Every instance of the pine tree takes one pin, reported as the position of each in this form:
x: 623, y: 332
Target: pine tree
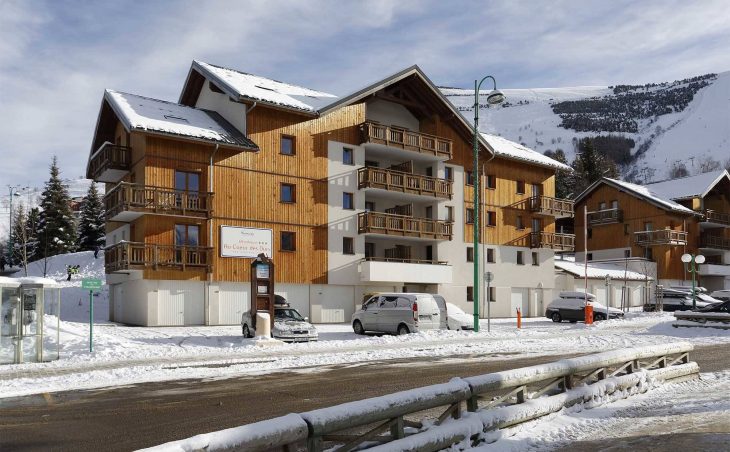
x: 57, y: 231
x: 590, y: 166
x: 91, y: 225
x: 562, y: 177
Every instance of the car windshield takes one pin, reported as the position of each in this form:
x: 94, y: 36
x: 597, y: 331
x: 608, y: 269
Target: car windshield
x: 288, y: 314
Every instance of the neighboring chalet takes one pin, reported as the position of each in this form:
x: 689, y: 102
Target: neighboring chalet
x: 660, y: 222
x: 368, y: 192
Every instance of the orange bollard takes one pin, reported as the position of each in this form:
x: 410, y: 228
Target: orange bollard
x: 519, y: 319
x: 589, y: 314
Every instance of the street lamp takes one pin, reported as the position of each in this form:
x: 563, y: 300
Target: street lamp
x: 495, y: 97
x: 692, y: 264
x: 13, y: 191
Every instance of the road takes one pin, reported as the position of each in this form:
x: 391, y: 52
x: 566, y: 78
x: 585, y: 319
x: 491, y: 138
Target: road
x: 127, y: 418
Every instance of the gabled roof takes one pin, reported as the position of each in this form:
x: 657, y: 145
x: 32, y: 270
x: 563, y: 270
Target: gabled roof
x: 688, y: 187
x: 412, y: 73
x: 158, y: 116
x: 640, y: 191
x: 243, y: 86
x: 515, y: 151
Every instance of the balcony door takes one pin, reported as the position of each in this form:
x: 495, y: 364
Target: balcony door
x: 187, y: 235
x: 187, y: 187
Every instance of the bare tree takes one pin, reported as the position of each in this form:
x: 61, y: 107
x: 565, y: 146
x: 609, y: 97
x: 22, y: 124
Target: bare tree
x: 24, y: 239
x: 677, y: 170
x: 708, y: 164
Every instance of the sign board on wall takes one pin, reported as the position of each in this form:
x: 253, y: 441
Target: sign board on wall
x: 245, y: 242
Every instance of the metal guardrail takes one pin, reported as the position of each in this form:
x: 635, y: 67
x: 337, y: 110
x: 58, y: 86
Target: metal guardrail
x: 563, y: 383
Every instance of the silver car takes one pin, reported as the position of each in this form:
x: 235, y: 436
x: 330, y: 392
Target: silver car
x: 289, y: 326
x: 399, y: 313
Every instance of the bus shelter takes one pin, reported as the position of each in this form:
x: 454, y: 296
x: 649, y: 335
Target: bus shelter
x: 30, y: 316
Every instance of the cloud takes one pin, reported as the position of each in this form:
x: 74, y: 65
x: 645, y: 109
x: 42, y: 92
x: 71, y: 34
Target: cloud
x: 56, y: 59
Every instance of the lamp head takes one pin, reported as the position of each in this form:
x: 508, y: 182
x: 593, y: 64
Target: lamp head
x: 495, y: 97
x: 700, y: 259
x: 686, y: 258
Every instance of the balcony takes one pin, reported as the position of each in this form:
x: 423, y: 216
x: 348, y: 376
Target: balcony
x: 545, y: 205
x: 397, y: 181
x: 714, y: 242
x: 402, y: 225
x: 660, y: 237
x: 110, y: 163
x: 714, y: 270
x: 396, y: 137
x: 716, y: 219
x: 413, y: 271
x: 126, y: 202
x: 606, y: 216
x: 139, y: 256
x: 552, y: 240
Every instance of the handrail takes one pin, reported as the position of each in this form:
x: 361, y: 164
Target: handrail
x: 660, y: 237
x: 404, y: 260
x: 386, y: 223
x: 392, y: 180
x: 606, y: 216
x: 550, y: 205
x: 713, y: 241
x: 147, y: 198
x: 717, y: 217
x: 109, y: 156
x: 128, y: 255
x: 620, y: 369
x: 553, y: 240
x: 373, y: 132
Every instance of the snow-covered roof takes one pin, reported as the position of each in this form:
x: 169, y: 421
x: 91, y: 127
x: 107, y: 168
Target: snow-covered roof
x: 599, y: 270
x: 8, y: 282
x: 242, y: 85
x: 511, y: 150
x: 640, y: 191
x: 46, y: 282
x: 154, y: 115
x: 688, y: 187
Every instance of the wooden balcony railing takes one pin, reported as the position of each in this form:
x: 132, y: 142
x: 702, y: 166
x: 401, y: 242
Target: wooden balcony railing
x: 404, y: 182
x: 109, y: 163
x: 384, y: 223
x: 552, y: 240
x: 404, y: 260
x: 717, y: 217
x: 605, y: 216
x: 660, y: 237
x: 551, y: 206
x: 131, y: 255
x: 715, y: 242
x: 423, y: 143
x: 127, y: 197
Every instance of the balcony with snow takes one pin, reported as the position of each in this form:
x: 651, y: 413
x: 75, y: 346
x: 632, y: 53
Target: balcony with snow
x: 388, y: 260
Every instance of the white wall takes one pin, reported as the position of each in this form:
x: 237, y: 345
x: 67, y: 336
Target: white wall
x: 392, y: 114
x: 233, y: 112
x: 118, y: 234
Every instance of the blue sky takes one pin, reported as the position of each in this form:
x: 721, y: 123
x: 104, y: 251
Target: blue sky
x: 56, y: 57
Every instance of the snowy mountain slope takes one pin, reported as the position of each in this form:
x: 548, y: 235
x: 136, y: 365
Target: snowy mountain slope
x: 700, y: 129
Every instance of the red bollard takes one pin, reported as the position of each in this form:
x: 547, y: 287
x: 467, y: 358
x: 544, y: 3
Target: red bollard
x: 519, y: 319
x: 589, y: 314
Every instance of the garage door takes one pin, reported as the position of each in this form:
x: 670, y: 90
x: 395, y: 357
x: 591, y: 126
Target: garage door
x: 181, y: 306
x: 518, y: 299
x: 232, y: 302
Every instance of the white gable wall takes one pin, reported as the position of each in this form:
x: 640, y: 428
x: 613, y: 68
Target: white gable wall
x: 233, y: 112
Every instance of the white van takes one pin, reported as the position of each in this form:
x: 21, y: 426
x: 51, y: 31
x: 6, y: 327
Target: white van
x: 398, y: 313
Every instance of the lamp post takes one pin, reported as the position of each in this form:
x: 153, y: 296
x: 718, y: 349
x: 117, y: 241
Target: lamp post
x: 692, y: 264
x: 13, y: 191
x: 608, y: 294
x: 495, y: 97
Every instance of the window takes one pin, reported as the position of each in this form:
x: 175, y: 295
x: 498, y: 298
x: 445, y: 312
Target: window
x: 535, y: 258
x: 348, y: 157
x: 186, y: 235
x: 429, y: 212
x: 371, y: 164
x: 469, y: 178
x: 369, y: 250
x: 348, y: 201
x: 429, y: 253
x: 449, y: 213
x: 287, y: 146
x: 491, y: 181
x: 648, y: 254
x: 627, y: 229
x: 520, y: 258
x: 470, y: 254
x: 627, y: 254
x: 520, y: 225
x: 469, y: 293
x: 491, y: 218
x: 589, y: 256
x: 614, y: 204
x: 288, y: 241
x: 492, y: 294
x: 602, y: 205
x: 648, y: 226
x: 369, y: 206
x: 520, y: 187
x: 348, y: 245
x: 490, y: 255
x: 187, y: 181
x: 469, y: 216
x: 429, y: 171
x: 448, y: 173
x: 288, y: 193
x: 590, y: 233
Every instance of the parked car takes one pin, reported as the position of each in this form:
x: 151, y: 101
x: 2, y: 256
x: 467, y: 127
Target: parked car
x: 458, y: 319
x: 398, y: 313
x: 702, y: 294
x: 573, y: 309
x: 723, y: 295
x: 289, y: 324
x: 723, y: 306
x: 675, y: 300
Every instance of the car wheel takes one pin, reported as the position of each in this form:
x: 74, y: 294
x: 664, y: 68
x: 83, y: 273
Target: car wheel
x: 246, y: 332
x: 357, y: 327
x: 598, y: 317
x: 402, y: 329
x: 556, y: 317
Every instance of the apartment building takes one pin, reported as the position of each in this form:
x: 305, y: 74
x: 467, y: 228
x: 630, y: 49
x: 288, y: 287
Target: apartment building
x: 660, y: 222
x: 372, y: 191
